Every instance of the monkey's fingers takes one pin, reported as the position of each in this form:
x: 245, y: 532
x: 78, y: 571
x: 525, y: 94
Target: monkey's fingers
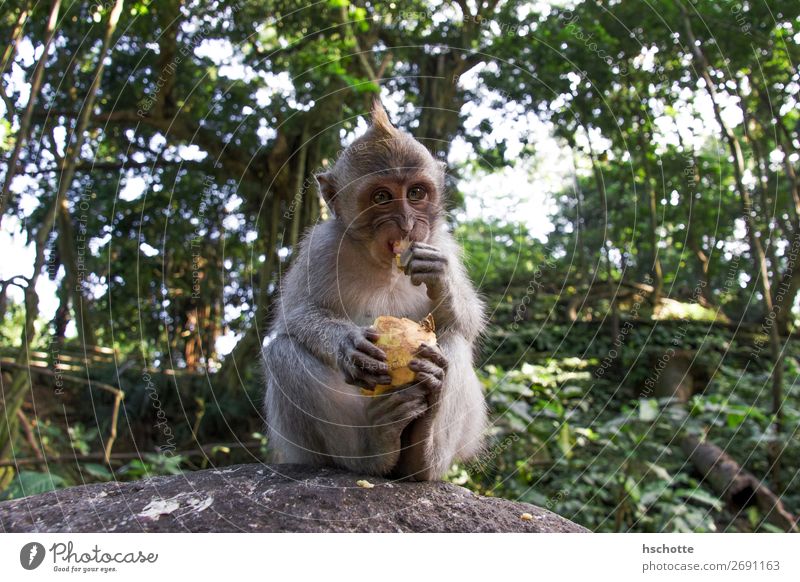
x: 366, y: 380
x: 423, y: 266
x: 371, y: 334
x: 401, y: 405
x: 367, y: 347
x: 429, y: 254
x: 426, y: 367
x: 431, y: 280
x: 369, y: 364
x: 431, y: 385
x: 418, y: 245
x: 432, y: 353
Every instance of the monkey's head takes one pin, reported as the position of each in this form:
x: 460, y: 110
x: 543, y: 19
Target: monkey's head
x: 385, y: 187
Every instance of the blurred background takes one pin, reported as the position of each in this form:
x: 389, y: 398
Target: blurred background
x: 623, y: 178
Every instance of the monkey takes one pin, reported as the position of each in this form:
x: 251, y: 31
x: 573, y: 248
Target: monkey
x: 385, y: 187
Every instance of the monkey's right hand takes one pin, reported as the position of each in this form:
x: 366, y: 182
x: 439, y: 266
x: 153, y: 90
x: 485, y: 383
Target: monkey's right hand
x: 394, y: 410
x: 360, y: 360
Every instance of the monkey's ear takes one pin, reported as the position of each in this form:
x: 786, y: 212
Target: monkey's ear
x: 380, y: 119
x: 327, y: 187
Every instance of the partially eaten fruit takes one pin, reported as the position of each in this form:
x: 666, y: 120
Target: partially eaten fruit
x: 399, y: 248
x: 400, y: 338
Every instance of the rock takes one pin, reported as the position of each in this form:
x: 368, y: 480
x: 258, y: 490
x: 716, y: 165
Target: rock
x: 273, y: 498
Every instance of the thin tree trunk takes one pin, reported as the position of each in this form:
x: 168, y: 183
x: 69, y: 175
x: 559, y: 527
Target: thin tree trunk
x: 16, y: 34
x: 789, y: 285
x: 14, y: 395
x: 605, y: 252
x: 297, y: 198
x: 759, y: 258
x: 692, y: 239
x: 8, y: 56
x: 652, y: 206
x: 580, y: 258
x: 27, y: 116
x: 67, y: 173
x: 248, y: 347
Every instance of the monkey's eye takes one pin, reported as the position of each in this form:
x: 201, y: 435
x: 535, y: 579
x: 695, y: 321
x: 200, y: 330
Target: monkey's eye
x: 417, y: 193
x: 382, y: 197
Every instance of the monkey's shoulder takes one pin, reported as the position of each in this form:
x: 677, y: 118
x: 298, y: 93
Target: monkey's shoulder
x: 320, y: 241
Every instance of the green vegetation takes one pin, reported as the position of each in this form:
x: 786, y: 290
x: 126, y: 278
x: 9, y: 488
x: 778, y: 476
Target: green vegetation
x: 158, y: 162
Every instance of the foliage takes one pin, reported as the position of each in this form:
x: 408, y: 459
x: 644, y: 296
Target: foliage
x: 673, y: 229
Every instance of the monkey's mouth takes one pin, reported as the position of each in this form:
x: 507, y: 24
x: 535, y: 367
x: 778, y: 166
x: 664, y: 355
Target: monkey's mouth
x: 398, y: 247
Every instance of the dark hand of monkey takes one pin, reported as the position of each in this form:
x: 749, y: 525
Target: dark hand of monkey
x: 397, y: 408
x: 361, y: 361
x: 430, y: 365
x: 427, y: 264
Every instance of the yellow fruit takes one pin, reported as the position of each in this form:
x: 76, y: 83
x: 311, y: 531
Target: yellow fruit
x: 398, y: 248
x: 400, y: 338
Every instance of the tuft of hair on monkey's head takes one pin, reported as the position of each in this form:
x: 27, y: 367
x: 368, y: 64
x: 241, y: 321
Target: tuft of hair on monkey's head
x: 382, y: 149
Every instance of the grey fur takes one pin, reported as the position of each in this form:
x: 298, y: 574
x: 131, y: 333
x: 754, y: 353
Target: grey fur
x: 330, y: 295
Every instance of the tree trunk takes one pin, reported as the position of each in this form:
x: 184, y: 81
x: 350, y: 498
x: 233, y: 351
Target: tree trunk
x: 14, y: 395
x: 16, y: 34
x: 80, y: 305
x: 757, y: 250
x: 739, y: 489
x: 297, y: 206
x: 580, y: 257
x: 247, y: 349
x: 605, y: 251
x: 652, y: 206
x: 693, y: 240
x: 27, y: 116
x: 789, y: 286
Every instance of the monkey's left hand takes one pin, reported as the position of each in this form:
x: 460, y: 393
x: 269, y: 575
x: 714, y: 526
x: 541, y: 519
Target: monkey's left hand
x: 430, y: 366
x: 427, y: 264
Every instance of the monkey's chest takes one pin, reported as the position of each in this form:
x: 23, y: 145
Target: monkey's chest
x: 398, y: 298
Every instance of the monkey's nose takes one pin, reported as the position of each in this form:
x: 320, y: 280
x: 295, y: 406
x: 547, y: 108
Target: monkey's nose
x: 406, y: 224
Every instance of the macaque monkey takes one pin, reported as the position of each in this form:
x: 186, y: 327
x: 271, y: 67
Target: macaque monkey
x: 384, y: 188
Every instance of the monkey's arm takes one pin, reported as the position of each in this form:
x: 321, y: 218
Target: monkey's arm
x: 316, y: 328
x: 457, y: 309
x: 338, y: 343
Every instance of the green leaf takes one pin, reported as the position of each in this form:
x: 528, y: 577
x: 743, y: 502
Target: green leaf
x: 98, y: 471
x: 32, y: 483
x: 564, y: 440
x: 658, y: 471
x: 700, y: 496
x: 648, y: 409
